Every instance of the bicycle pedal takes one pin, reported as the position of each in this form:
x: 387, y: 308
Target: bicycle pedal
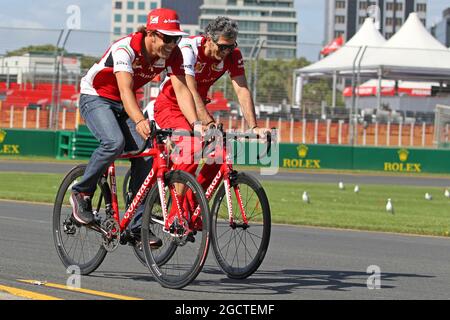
x: 125, y: 238
x: 75, y: 222
x: 190, y: 237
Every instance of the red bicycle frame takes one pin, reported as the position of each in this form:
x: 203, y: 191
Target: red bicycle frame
x: 226, y: 169
x: 156, y: 174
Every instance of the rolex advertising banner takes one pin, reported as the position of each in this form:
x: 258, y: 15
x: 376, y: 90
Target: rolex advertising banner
x: 294, y: 156
x: 405, y: 160
x: 14, y: 142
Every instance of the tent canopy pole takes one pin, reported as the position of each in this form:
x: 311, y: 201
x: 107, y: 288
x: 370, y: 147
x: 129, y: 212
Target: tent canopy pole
x: 334, y: 89
x: 380, y: 79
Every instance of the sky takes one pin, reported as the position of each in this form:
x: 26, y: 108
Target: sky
x: 96, y: 15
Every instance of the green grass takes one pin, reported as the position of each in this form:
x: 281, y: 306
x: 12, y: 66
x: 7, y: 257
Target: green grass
x: 329, y: 207
x: 36, y: 187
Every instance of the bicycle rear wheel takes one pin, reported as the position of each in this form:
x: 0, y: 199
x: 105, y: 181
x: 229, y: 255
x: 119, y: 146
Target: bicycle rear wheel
x: 178, y: 262
x: 240, y: 249
x: 76, y: 244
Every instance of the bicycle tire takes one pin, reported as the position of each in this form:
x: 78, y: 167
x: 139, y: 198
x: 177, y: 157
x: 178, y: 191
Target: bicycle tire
x: 224, y: 237
x: 176, y: 272
x: 62, y: 207
x: 125, y: 185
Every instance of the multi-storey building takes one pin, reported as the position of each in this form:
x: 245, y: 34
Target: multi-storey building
x: 344, y: 17
x: 267, y: 28
x: 128, y: 15
x: 441, y: 30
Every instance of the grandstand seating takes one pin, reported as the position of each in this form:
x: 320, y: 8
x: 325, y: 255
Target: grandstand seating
x: 23, y: 95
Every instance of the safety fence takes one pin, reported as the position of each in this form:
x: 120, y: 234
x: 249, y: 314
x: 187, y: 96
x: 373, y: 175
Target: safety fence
x: 289, y: 131
x: 41, y: 92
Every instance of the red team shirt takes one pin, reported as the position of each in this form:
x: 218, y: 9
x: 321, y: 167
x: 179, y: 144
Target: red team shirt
x: 126, y: 55
x: 205, y: 70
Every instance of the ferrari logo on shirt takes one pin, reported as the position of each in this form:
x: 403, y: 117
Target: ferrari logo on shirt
x: 217, y: 66
x: 137, y: 64
x: 199, y: 67
x: 161, y: 63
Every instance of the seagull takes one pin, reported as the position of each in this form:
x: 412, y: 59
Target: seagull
x: 447, y: 193
x: 305, y: 197
x: 356, y: 189
x: 428, y: 196
x: 389, y: 206
x: 341, y: 185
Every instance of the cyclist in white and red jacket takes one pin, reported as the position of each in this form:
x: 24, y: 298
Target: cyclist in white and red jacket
x: 206, y: 59
x: 109, y: 106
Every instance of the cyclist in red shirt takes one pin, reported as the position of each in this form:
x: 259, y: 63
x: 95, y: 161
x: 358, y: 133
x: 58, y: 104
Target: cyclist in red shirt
x: 206, y: 59
x: 111, y: 111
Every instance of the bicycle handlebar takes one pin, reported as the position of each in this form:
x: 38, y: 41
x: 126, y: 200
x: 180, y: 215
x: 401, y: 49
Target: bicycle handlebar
x: 154, y: 132
x: 164, y: 133
x: 248, y: 136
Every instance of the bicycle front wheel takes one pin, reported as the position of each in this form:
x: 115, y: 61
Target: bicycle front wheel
x: 182, y: 256
x: 240, y: 247
x: 76, y: 244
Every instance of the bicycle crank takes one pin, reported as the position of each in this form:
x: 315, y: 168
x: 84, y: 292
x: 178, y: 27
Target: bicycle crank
x: 110, y: 231
x: 181, y: 234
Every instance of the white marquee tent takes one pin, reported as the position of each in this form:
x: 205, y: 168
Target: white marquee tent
x: 411, y: 54
x: 345, y: 57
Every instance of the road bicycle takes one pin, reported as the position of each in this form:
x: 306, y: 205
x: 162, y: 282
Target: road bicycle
x: 241, y: 217
x: 181, y: 257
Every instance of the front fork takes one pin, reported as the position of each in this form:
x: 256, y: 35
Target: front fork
x: 237, y: 192
x: 177, y: 226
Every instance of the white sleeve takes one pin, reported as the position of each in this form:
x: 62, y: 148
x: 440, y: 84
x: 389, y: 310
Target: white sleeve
x: 123, y: 57
x: 189, y: 60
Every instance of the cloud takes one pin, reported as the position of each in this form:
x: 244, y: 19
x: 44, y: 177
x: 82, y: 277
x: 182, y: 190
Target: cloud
x: 7, y: 21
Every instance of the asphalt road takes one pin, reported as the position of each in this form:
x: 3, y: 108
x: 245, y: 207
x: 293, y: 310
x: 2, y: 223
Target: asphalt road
x: 302, y: 263
x: 282, y: 175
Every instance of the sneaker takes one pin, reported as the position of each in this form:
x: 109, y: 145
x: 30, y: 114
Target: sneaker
x: 81, y: 208
x: 154, y: 241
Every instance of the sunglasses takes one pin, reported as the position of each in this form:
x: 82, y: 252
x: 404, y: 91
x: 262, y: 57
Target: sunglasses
x: 223, y: 47
x: 168, y: 39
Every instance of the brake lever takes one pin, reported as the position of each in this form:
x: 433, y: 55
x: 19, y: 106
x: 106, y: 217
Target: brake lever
x: 269, y: 145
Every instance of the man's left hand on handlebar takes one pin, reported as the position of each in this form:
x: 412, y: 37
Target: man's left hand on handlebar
x: 143, y: 128
x: 261, y: 132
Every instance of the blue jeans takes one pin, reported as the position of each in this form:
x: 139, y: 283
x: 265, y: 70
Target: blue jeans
x: 110, y: 125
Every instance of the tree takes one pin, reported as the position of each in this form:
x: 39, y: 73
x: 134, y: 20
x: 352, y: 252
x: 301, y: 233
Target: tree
x: 40, y: 48
x: 85, y: 61
x: 274, y: 83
